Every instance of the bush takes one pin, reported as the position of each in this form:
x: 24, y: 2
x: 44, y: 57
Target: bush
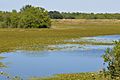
x: 112, y: 57
x: 34, y: 17
x: 28, y: 17
x: 55, y: 15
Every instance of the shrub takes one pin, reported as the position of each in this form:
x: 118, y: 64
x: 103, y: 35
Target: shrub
x: 112, y: 57
x: 28, y: 17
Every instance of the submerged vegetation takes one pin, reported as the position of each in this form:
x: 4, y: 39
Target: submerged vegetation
x: 2, y: 64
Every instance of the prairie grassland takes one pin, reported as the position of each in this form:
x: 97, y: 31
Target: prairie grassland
x: 36, y: 39
x: 81, y: 23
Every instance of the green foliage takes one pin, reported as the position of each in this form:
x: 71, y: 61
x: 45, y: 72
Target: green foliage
x: 14, y: 19
x: 24, y: 8
x: 112, y: 57
x: 55, y: 15
x: 78, y: 15
x: 28, y: 17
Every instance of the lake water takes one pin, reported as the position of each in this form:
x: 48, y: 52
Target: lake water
x: 67, y: 58
x: 97, y: 39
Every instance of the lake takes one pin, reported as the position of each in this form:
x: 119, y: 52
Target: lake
x: 66, y: 58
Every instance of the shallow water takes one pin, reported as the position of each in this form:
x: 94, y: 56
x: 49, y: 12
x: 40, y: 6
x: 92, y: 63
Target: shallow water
x: 45, y: 63
x: 67, y: 58
x: 73, y: 47
x: 97, y: 39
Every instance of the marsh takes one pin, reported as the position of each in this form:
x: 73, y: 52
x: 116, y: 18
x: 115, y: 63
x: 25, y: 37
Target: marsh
x: 64, y: 58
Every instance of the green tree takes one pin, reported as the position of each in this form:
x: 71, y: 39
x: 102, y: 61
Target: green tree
x: 55, y: 15
x: 34, y: 17
x: 112, y: 57
x: 24, y: 8
x: 6, y: 19
x: 14, y: 19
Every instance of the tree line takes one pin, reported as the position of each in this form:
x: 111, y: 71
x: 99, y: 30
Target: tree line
x: 78, y: 15
x: 37, y: 17
x: 28, y: 17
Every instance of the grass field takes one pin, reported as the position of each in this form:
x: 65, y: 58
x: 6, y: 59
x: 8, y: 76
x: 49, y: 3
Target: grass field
x: 36, y: 39
x: 81, y: 23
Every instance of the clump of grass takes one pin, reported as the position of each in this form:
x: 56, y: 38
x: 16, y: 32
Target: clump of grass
x: 2, y: 65
x: 1, y: 57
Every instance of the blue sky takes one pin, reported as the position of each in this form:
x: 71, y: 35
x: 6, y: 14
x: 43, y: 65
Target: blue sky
x: 109, y: 6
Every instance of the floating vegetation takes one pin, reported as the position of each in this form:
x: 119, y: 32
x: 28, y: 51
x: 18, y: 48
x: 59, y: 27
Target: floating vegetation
x: 70, y: 47
x: 109, y: 39
x: 2, y: 65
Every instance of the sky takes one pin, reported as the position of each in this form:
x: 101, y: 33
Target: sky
x: 96, y: 6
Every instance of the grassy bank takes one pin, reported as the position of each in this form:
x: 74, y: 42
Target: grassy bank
x: 31, y: 39
x: 76, y: 76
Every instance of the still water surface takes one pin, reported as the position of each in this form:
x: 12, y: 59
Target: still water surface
x: 73, y: 58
